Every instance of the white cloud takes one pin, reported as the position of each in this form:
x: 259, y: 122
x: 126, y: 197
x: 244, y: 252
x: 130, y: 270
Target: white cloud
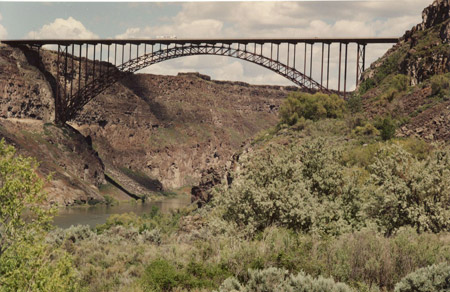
x: 69, y: 28
x: 280, y: 19
x: 206, y: 28
x: 3, y: 32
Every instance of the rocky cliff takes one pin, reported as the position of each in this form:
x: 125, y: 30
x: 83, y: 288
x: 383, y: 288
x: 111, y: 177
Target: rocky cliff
x: 423, y: 55
x: 171, y: 128
x: 422, y: 51
x: 152, y: 133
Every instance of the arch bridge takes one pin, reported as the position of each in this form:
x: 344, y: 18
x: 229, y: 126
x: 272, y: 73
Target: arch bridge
x: 84, y: 68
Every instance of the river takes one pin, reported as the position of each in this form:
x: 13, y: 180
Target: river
x: 98, y: 214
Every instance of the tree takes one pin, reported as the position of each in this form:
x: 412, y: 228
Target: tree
x: 27, y: 263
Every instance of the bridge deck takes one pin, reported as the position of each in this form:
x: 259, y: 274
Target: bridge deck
x: 202, y: 41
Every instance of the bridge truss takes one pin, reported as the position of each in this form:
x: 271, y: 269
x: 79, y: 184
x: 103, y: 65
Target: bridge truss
x: 84, y: 68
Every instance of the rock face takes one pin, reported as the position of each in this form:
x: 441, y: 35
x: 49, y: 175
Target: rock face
x: 24, y: 91
x: 172, y: 128
x: 62, y: 152
x: 26, y: 107
x: 435, y: 14
x: 152, y: 133
x: 419, y: 62
x: 424, y: 50
x: 201, y: 192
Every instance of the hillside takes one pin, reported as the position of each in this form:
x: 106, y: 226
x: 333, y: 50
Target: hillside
x: 148, y: 133
x: 410, y: 82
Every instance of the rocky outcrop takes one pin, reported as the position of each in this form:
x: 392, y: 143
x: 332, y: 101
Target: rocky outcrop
x: 152, y: 132
x: 429, y: 50
x: 172, y: 128
x: 435, y: 14
x: 424, y: 50
x: 200, y: 193
x: 24, y: 91
x: 63, y: 153
x: 26, y: 113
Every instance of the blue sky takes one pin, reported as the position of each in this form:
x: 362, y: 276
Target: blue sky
x: 213, y: 19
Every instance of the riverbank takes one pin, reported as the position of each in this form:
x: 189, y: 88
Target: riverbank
x: 98, y: 214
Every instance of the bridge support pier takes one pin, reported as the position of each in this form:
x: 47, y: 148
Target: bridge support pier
x: 360, y: 61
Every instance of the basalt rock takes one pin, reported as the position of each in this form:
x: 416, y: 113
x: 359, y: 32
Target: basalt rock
x: 147, y: 128
x: 424, y: 50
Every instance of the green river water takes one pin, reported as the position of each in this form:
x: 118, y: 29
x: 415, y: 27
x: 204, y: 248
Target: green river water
x: 98, y: 214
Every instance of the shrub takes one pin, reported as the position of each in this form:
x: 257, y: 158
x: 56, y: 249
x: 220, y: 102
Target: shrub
x: 366, y: 85
x: 408, y: 191
x: 273, y: 279
x: 160, y: 275
x: 354, y: 103
x: 387, y: 128
x: 27, y: 263
x: 390, y: 94
x: 110, y: 201
x: 440, y: 85
x: 400, y: 82
x: 73, y: 233
x: 434, y: 278
x: 311, y: 106
x: 301, y: 188
x: 125, y: 219
x: 367, y: 130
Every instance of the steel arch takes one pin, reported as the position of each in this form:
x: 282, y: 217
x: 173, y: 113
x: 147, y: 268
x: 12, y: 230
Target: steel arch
x: 95, y: 87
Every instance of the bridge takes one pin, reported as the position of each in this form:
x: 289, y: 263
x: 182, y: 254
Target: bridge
x: 84, y: 68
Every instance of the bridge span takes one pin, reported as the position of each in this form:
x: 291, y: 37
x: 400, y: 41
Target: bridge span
x: 86, y: 67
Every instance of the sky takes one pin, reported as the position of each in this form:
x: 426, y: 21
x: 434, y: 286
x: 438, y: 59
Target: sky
x: 294, y: 19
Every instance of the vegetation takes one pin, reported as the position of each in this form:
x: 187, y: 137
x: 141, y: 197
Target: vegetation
x: 273, y: 279
x: 302, y: 188
x: 430, y: 279
x: 440, y: 86
x: 27, y: 263
x: 299, y: 105
x: 386, y: 127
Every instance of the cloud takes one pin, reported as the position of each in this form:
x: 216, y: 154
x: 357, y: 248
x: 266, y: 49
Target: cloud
x: 206, y: 28
x: 280, y: 19
x: 3, y: 32
x: 69, y: 28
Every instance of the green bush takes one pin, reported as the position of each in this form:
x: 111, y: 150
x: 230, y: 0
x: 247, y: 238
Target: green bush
x: 440, y: 85
x: 273, y: 279
x: 160, y: 275
x: 27, y: 262
x: 300, y: 187
x: 354, y: 103
x: 387, y: 128
x: 366, y: 85
x: 367, y: 130
x: 409, y: 191
x: 435, y: 278
x: 110, y: 201
x: 311, y: 106
x: 390, y: 94
x: 400, y: 82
